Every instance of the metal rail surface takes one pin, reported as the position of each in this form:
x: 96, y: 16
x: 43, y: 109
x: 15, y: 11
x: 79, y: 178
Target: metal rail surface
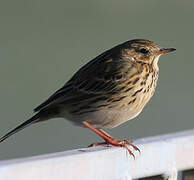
x: 161, y: 158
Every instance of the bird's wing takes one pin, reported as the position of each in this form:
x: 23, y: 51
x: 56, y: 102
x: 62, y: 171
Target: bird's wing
x: 99, y: 77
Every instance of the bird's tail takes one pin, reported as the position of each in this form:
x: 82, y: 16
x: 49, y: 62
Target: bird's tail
x: 30, y: 121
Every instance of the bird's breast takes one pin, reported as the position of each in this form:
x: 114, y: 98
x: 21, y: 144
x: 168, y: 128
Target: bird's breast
x: 117, y: 109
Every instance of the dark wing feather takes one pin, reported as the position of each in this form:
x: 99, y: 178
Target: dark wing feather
x: 100, y: 76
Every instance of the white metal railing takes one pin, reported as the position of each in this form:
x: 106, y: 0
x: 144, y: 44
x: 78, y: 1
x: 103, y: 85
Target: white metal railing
x: 165, y: 154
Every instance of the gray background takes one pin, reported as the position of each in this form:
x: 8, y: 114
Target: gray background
x: 44, y: 42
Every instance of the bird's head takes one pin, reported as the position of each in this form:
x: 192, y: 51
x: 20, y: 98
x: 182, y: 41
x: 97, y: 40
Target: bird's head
x: 144, y: 51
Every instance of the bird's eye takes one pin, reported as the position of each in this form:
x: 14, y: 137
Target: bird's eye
x: 143, y: 51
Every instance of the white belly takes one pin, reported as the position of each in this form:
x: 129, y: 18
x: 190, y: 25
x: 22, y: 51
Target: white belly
x: 105, y: 118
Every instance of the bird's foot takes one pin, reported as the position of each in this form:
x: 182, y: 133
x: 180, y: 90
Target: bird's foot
x: 98, y: 144
x: 109, y: 140
x: 119, y: 143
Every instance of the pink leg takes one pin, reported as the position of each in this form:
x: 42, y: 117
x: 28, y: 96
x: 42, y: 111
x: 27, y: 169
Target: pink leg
x: 109, y: 139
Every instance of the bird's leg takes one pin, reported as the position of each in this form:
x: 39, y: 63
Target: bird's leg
x: 106, y: 134
x: 109, y: 139
x: 126, y: 141
x: 97, y: 131
x: 101, y: 143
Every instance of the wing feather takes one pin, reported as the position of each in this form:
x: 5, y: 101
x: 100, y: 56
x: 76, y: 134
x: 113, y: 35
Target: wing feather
x: 100, y: 76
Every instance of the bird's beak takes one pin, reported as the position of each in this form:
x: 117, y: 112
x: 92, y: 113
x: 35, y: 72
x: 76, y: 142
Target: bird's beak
x: 165, y: 51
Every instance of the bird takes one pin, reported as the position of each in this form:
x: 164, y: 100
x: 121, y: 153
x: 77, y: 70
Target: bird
x: 109, y: 90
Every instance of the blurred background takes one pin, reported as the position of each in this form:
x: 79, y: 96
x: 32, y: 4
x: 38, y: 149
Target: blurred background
x: 44, y: 42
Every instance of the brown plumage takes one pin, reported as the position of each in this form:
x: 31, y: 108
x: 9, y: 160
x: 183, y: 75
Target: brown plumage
x: 109, y: 90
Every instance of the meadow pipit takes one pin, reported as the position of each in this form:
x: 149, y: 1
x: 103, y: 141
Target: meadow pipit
x: 111, y: 89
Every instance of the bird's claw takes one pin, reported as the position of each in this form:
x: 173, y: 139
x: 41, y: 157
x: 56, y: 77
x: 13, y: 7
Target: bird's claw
x: 115, y: 142
x: 135, y: 147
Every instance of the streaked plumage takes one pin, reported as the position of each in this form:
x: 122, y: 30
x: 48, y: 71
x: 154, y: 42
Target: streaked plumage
x: 109, y: 90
